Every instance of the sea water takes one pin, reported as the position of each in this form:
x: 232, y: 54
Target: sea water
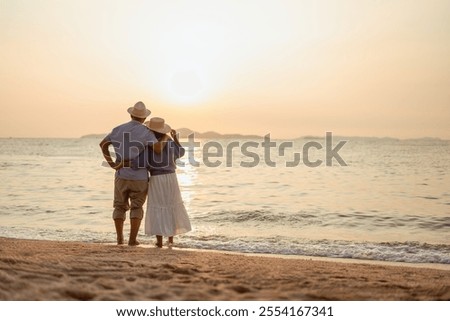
x: 388, y: 200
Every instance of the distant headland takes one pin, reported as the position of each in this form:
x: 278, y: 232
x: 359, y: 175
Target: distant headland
x: 186, y: 132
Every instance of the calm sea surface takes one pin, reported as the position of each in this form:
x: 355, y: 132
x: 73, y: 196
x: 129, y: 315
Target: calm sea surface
x: 391, y: 203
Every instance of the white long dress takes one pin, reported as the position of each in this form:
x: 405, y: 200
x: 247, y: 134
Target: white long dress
x: 166, y: 214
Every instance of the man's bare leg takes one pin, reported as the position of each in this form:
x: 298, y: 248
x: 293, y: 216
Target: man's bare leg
x: 134, y: 230
x: 159, y: 240
x: 119, y: 230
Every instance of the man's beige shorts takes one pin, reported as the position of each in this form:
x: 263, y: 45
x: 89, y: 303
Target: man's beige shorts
x: 129, y: 195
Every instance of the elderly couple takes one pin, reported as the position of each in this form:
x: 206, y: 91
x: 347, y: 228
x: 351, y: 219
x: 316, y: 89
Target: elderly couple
x: 143, y: 148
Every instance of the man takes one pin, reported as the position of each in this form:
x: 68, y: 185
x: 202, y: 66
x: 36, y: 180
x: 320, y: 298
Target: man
x: 130, y: 185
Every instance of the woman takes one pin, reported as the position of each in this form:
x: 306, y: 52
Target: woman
x: 166, y: 214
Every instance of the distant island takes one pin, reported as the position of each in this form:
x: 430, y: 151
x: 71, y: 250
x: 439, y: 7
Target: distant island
x: 186, y: 132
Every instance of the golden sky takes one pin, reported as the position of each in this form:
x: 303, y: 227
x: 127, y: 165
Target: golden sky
x: 289, y: 68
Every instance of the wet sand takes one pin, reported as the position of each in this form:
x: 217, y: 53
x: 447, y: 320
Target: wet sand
x: 50, y: 270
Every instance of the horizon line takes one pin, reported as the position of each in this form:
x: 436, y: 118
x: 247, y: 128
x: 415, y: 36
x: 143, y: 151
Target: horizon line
x: 86, y: 136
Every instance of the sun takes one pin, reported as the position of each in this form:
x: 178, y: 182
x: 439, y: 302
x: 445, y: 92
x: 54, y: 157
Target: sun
x: 186, y: 85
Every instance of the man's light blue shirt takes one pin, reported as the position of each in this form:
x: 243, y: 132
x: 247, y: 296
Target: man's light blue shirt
x: 129, y: 140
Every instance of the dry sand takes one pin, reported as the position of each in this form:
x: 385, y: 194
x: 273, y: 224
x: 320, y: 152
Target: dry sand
x: 48, y: 270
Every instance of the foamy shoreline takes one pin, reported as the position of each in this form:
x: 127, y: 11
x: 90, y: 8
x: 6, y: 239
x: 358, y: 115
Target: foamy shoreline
x: 438, y: 266
x: 51, y: 270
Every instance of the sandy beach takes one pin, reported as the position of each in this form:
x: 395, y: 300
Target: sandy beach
x: 49, y: 270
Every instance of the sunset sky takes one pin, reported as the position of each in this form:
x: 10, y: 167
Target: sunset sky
x: 289, y: 68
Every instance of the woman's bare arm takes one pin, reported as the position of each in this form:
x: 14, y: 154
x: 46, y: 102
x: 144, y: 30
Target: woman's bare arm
x: 104, y: 145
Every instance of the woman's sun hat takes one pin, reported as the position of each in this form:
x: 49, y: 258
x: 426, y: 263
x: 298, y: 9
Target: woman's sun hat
x: 158, y: 125
x: 139, y: 110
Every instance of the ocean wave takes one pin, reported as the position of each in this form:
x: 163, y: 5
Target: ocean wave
x: 303, y: 218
